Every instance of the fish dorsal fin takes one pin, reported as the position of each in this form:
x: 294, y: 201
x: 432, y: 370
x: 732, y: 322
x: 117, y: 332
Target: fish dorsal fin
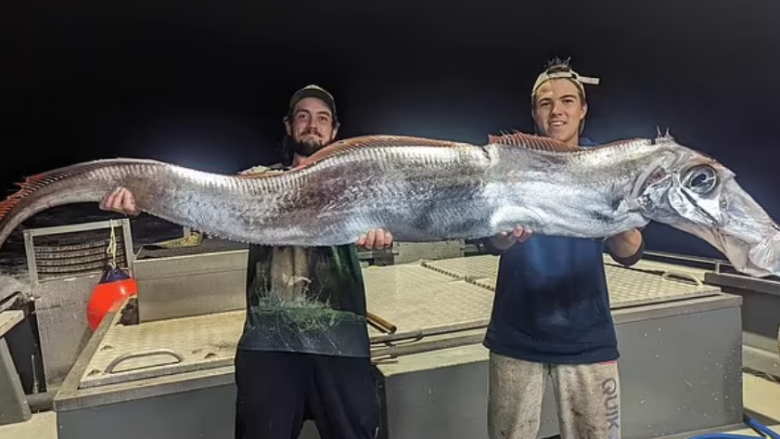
x: 30, y: 185
x: 531, y: 141
x: 377, y: 141
x: 262, y: 174
x: 624, y: 142
x: 370, y: 141
x: 37, y: 182
x: 663, y: 137
x: 540, y: 143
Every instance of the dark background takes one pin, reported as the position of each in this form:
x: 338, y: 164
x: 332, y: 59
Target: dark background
x: 205, y: 84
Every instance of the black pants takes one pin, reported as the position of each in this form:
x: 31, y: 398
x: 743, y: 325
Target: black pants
x: 278, y: 391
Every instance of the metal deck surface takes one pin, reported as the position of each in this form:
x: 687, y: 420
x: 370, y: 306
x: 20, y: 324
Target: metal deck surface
x: 202, y: 342
x: 418, y: 296
x: 627, y: 286
x: 413, y: 297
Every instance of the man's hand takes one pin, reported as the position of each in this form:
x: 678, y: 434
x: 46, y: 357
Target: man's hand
x: 119, y: 200
x: 504, y: 240
x: 626, y: 244
x: 375, y: 239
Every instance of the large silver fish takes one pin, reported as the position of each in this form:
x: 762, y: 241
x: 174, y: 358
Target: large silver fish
x: 428, y: 190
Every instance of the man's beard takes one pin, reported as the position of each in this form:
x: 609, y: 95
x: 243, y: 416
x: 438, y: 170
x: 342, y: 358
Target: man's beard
x: 304, y: 149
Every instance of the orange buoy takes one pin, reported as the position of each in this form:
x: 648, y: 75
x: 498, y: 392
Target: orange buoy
x: 115, y: 285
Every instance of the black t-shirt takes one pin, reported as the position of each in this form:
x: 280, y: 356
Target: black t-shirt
x: 306, y: 299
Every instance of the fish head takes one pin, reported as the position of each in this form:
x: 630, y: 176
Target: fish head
x: 692, y: 192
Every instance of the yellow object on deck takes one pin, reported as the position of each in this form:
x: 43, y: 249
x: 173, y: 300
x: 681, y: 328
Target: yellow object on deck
x: 193, y: 239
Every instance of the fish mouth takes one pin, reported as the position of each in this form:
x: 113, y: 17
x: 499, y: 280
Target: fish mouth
x: 744, y: 233
x: 764, y: 257
x: 757, y: 259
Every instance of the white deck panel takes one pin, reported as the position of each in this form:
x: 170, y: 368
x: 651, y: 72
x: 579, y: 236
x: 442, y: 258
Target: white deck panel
x: 416, y: 296
x: 627, y: 286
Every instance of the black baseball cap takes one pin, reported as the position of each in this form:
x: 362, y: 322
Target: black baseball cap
x: 314, y: 91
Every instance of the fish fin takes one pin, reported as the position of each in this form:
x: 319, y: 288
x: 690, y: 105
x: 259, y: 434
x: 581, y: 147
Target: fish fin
x: 663, y: 136
x: 37, y: 182
x: 370, y: 141
x: 532, y: 141
x: 376, y: 141
x: 259, y: 174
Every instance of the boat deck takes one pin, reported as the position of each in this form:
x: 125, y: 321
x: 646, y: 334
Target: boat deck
x: 457, y: 293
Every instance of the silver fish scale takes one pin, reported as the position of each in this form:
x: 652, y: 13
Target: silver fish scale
x: 413, y: 192
x: 419, y: 193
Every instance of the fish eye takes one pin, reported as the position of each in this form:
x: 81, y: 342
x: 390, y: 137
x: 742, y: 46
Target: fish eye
x: 701, y: 179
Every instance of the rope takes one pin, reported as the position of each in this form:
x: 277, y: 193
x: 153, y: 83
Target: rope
x: 111, y: 250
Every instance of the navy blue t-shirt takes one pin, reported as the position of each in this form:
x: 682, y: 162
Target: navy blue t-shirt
x: 551, y: 303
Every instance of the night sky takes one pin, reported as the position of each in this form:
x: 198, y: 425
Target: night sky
x: 206, y: 86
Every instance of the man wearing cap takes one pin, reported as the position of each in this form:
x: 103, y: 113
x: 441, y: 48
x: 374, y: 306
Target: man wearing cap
x: 304, y: 352
x: 551, y: 316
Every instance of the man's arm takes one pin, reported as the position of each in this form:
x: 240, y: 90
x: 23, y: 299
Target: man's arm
x: 626, y: 248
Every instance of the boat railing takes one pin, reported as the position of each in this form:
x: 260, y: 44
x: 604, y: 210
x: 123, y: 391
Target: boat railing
x: 714, y: 264
x: 722, y: 273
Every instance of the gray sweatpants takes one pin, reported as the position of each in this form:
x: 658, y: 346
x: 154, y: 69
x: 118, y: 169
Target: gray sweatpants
x: 587, y: 397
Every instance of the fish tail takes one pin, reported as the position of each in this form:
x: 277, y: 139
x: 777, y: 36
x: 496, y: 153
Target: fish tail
x: 83, y: 182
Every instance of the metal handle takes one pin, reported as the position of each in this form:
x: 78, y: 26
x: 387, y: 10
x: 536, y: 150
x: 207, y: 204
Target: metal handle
x: 116, y: 361
x: 695, y: 279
